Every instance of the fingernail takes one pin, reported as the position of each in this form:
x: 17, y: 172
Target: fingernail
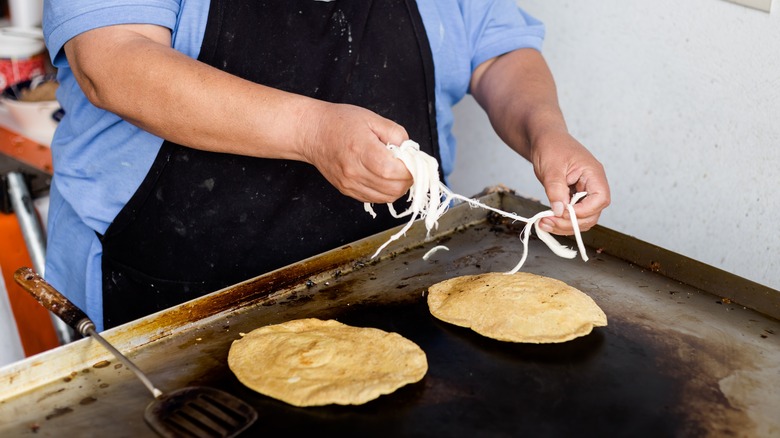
x: 557, y: 208
x: 546, y: 227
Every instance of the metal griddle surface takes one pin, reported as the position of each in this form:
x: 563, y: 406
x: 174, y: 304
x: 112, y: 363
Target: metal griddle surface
x: 673, y: 361
x: 488, y: 388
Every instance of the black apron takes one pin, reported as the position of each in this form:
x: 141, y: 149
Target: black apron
x: 201, y: 221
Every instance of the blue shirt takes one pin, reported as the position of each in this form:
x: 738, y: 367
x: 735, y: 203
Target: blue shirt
x: 100, y: 160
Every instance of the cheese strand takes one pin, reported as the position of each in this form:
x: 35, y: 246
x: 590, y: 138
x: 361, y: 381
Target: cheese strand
x: 429, y: 199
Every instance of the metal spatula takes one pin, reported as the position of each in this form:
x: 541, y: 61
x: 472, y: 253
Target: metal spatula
x: 194, y: 411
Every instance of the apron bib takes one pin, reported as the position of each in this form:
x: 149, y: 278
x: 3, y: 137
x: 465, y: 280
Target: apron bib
x: 201, y: 221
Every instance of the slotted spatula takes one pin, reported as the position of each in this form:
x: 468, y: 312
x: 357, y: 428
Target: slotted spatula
x: 193, y: 411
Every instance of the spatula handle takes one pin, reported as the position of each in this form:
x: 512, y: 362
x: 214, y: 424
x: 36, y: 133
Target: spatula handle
x: 51, y: 299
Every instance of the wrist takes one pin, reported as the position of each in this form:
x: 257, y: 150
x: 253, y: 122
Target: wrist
x: 307, y: 127
x: 544, y: 123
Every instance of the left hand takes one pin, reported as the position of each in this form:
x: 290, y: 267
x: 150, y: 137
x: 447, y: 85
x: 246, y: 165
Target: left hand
x: 564, y: 167
x: 519, y: 95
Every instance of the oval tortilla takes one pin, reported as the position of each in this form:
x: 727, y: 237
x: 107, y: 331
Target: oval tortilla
x: 520, y: 307
x: 311, y: 362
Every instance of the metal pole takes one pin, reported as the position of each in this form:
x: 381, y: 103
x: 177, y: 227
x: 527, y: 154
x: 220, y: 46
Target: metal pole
x: 21, y: 201
x: 32, y: 231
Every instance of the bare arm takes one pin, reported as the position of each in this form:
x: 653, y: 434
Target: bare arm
x: 132, y: 71
x: 518, y: 93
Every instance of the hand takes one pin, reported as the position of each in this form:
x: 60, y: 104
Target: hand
x: 348, y: 145
x: 564, y: 167
x: 526, y: 115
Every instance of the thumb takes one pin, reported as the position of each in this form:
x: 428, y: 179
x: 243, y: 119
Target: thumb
x: 558, y: 194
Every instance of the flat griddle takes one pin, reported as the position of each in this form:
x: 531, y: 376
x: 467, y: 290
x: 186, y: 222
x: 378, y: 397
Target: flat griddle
x: 689, y: 350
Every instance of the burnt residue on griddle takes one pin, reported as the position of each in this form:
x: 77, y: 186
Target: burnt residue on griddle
x: 502, y: 224
x: 87, y: 401
x: 49, y: 394
x: 696, y: 366
x: 578, y: 350
x: 58, y: 412
x: 296, y: 298
x: 256, y: 290
x: 620, y: 380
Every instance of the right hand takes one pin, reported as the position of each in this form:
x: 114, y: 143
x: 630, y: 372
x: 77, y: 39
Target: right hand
x: 348, y: 145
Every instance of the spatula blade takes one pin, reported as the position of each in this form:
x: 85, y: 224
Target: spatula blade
x: 199, y: 412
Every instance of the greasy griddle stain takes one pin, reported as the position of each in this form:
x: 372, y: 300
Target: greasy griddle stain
x: 358, y: 291
x: 414, y: 276
x: 255, y: 290
x: 494, y: 250
x: 698, y: 366
x: 502, y: 224
x: 87, y: 401
x: 193, y: 341
x: 621, y: 380
x: 58, y: 412
x: 49, y: 394
x: 102, y: 364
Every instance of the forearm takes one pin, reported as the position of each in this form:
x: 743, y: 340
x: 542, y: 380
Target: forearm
x: 518, y: 93
x: 130, y: 70
x: 129, y: 74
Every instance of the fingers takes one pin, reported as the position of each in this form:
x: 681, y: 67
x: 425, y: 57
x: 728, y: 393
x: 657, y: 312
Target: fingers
x: 390, y: 132
x: 578, y: 172
x: 376, y: 177
x: 379, y: 160
x: 564, y: 226
x: 587, y: 210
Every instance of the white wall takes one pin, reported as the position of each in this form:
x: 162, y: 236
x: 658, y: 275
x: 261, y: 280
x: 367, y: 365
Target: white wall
x: 681, y: 102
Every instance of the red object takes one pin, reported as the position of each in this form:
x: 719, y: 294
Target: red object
x: 13, y: 71
x: 25, y: 150
x: 35, y: 326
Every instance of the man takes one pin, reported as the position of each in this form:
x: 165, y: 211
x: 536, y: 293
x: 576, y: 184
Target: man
x: 206, y: 142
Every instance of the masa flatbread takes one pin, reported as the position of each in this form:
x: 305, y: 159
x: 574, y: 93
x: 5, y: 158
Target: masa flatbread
x: 311, y: 362
x: 520, y: 307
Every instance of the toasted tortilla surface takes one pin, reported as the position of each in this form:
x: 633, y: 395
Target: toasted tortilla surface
x: 519, y: 307
x: 313, y: 362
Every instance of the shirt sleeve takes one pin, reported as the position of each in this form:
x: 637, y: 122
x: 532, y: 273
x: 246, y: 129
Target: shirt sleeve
x: 65, y: 19
x: 499, y: 26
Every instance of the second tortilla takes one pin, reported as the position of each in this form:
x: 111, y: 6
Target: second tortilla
x: 521, y: 307
x: 311, y: 362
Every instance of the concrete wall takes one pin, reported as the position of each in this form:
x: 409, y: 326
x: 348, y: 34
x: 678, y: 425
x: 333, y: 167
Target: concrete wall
x: 681, y: 102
